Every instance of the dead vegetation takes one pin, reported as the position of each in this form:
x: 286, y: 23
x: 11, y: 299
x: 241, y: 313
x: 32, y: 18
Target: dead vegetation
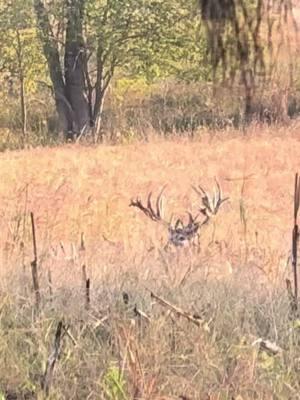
x: 92, y: 307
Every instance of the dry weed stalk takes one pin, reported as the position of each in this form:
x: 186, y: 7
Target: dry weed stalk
x: 183, y: 233
x: 296, y: 235
x: 87, y: 294
x: 87, y: 285
x: 53, y: 357
x: 295, y: 239
x: 143, y: 385
x: 50, y: 285
x: 34, y: 269
x: 61, y: 331
x: 82, y: 242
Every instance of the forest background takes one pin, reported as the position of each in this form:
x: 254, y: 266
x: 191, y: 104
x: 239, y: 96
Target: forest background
x: 122, y: 69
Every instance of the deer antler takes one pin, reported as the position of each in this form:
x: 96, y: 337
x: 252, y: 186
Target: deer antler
x: 154, y: 215
x: 210, y: 203
x: 182, y: 233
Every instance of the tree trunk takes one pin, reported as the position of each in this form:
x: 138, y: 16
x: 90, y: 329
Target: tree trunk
x: 248, y: 83
x: 68, y: 86
x: 74, y: 67
x: 22, y: 86
x: 51, y: 53
x: 101, y: 86
x: 23, y: 108
x: 98, y: 119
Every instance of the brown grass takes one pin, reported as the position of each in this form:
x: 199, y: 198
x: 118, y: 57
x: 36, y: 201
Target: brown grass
x: 78, y: 189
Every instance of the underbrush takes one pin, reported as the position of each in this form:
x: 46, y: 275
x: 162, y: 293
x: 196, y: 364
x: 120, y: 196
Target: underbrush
x: 135, y: 110
x: 195, y: 341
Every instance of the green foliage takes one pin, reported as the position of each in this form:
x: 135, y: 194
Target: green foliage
x: 114, y: 384
x: 20, y: 52
x: 152, y: 39
x: 139, y: 45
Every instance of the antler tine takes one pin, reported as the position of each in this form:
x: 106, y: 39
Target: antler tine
x: 138, y: 204
x: 181, y: 233
x: 204, y: 197
x: 192, y: 220
x: 219, y: 194
x: 220, y: 200
x: 159, y: 203
x: 148, y: 210
x: 219, y: 188
x: 149, y: 207
x: 211, y: 203
x: 216, y: 197
x: 199, y: 190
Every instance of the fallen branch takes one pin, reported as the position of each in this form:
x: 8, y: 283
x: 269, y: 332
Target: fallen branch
x: 192, y: 318
x: 139, y: 313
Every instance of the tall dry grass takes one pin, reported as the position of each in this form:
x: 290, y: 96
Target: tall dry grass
x: 78, y: 189
x: 234, y: 282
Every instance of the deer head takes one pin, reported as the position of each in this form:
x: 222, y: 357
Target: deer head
x: 182, y: 233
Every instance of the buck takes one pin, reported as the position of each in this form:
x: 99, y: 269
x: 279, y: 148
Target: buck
x: 181, y: 234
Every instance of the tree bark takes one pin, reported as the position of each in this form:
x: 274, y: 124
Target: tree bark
x: 23, y: 107
x: 22, y: 86
x: 98, y: 119
x: 51, y: 53
x: 68, y: 85
x: 101, y: 86
x: 74, y: 67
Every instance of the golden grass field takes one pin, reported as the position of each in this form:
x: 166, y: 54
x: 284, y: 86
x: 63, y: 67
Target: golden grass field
x: 111, y: 352
x: 140, y: 322
x: 78, y: 189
